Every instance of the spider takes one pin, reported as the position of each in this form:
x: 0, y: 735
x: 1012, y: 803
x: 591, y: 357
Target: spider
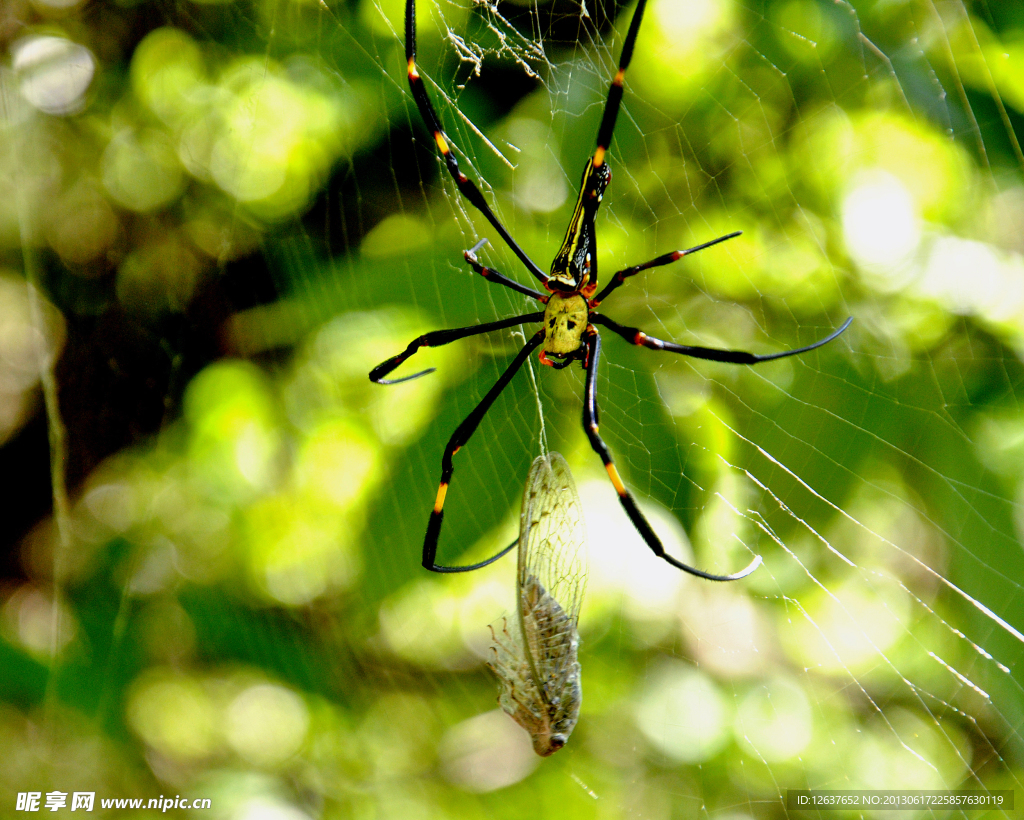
x: 569, y: 317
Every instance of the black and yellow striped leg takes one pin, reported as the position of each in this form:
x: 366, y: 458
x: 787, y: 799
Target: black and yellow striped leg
x: 492, y: 275
x: 638, y: 337
x: 459, y: 438
x: 590, y: 425
x: 665, y: 259
x: 614, y: 102
x: 443, y: 337
x: 466, y: 186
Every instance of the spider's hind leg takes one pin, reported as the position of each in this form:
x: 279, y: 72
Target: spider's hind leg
x: 590, y: 426
x: 635, y: 336
x: 461, y: 435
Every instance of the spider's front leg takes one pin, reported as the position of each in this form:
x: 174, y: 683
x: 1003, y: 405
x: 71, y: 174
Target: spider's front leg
x: 459, y: 438
x: 592, y: 340
x: 466, y: 186
x: 659, y: 261
x: 496, y: 276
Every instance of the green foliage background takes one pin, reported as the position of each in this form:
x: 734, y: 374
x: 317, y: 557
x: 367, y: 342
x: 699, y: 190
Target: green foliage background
x: 217, y: 217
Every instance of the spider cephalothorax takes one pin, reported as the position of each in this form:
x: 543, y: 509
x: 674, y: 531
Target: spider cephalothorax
x: 570, y: 316
x: 565, y: 321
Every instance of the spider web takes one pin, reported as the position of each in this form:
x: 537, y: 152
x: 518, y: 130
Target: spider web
x: 252, y: 565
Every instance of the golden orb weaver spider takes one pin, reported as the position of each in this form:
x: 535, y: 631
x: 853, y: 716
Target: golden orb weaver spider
x: 568, y: 331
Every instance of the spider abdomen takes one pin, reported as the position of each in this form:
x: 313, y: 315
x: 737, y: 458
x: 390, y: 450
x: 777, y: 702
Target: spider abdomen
x: 565, y: 319
x: 575, y: 264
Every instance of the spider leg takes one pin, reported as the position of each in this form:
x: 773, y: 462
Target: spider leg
x: 590, y: 425
x: 611, y: 107
x: 466, y: 186
x: 459, y: 438
x: 665, y: 259
x: 443, y: 337
x: 492, y: 275
x: 637, y: 337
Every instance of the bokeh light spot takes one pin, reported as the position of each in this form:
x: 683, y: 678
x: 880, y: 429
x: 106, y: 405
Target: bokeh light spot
x: 621, y: 565
x: 774, y: 720
x: 968, y: 277
x: 487, y: 752
x: 541, y: 184
x: 174, y: 715
x: 339, y: 462
x: 54, y: 73
x: 396, y: 235
x: 682, y: 713
x: 234, y: 432
x: 26, y: 346
x: 141, y: 170
x: 849, y: 629
x: 159, y: 277
x: 267, y: 724
x: 880, y: 222
x: 167, y: 72
x: 37, y: 623
x: 267, y: 808
x: 83, y: 225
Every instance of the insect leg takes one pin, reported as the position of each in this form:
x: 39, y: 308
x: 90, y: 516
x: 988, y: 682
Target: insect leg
x: 459, y: 438
x: 590, y: 425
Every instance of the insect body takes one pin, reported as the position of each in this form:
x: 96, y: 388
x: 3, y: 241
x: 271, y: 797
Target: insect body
x: 570, y: 317
x: 536, y: 659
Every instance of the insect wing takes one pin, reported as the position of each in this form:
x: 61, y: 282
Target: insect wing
x: 536, y: 660
x: 552, y: 535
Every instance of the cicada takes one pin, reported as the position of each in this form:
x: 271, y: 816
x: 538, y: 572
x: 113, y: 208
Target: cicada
x: 536, y: 660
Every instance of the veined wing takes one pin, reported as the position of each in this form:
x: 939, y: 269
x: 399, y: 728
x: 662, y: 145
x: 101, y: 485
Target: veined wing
x: 552, y: 534
x: 536, y: 661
